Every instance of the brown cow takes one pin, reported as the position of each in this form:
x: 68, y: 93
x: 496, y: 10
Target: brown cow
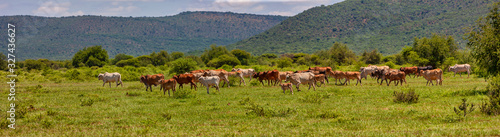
x: 338, y: 75
x: 430, y: 75
x: 410, y: 70
x: 198, y: 71
x: 273, y: 75
x: 184, y: 79
x: 285, y: 86
x: 283, y: 75
x: 352, y: 75
x: 260, y: 76
x: 320, y: 78
x: 395, y: 76
x: 167, y: 85
x: 322, y: 70
x: 149, y: 80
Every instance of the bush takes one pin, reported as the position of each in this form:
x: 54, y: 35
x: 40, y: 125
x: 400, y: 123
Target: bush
x: 464, y: 108
x: 182, y: 65
x: 284, y: 62
x: 223, y: 59
x: 129, y: 62
x: 119, y: 57
x: 492, y: 107
x: 314, y: 97
x: 91, y: 56
x: 402, y: 97
x: 390, y: 64
x: 184, y: 93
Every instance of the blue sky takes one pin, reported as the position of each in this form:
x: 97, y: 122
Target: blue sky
x: 139, y: 8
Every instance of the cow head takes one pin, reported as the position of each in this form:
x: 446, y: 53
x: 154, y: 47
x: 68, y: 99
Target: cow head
x: 175, y: 77
x: 361, y: 69
x: 161, y: 80
x: 100, y: 76
x: 232, y: 70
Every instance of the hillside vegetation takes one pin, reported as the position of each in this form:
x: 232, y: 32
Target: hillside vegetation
x: 386, y: 25
x: 60, y: 38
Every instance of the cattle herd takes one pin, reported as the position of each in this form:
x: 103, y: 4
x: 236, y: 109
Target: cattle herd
x: 310, y: 77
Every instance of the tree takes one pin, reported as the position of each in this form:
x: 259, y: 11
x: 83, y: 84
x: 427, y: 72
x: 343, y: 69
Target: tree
x: 242, y: 56
x: 372, y: 57
x: 160, y: 58
x: 269, y: 55
x: 224, y: 59
x: 98, y: 54
x: 183, y: 65
x: 436, y: 49
x: 121, y: 56
x: 33, y: 64
x: 484, y: 41
x: 177, y: 55
x: 339, y: 53
x: 214, y: 52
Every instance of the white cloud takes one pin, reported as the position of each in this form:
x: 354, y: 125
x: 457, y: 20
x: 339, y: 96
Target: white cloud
x: 53, y: 9
x: 282, y: 13
x: 118, y: 9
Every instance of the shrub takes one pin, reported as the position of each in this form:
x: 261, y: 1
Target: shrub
x: 223, y: 59
x: 182, y: 65
x: 402, y: 97
x: 493, y: 106
x: 464, y: 108
x: 184, y: 93
x: 90, y: 56
x: 284, y: 62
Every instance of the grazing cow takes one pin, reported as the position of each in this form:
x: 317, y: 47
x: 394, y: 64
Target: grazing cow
x: 430, y: 75
x: 237, y: 74
x: 301, y: 71
x: 382, y: 67
x: 410, y: 70
x: 210, y: 81
x: 196, y: 76
x: 380, y: 74
x: 246, y: 72
x: 301, y: 78
x: 352, y: 75
x: 365, y: 71
x: 285, y: 86
x: 219, y: 72
x: 338, y: 75
x: 459, y: 68
x: 149, y: 80
x: 167, y: 85
x: 395, y: 76
x: 322, y: 70
x: 184, y: 79
x: 320, y: 78
x: 110, y: 77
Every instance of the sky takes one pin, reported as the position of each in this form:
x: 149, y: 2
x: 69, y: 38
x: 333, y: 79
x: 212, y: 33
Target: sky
x: 154, y: 8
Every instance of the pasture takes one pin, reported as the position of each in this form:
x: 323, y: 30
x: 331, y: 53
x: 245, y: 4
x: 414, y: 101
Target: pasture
x: 88, y: 109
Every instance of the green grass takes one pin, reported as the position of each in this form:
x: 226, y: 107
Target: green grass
x: 63, y: 109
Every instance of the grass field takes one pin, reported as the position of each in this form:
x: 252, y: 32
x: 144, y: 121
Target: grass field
x: 88, y: 109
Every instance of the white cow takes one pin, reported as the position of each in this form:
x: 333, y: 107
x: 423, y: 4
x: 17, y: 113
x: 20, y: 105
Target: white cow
x: 246, y: 72
x: 459, y: 68
x: 237, y: 74
x: 210, y: 81
x: 110, y: 77
x: 365, y: 71
x: 301, y: 78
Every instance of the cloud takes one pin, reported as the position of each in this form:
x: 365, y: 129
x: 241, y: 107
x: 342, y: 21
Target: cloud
x: 282, y: 13
x: 118, y: 9
x: 54, y: 9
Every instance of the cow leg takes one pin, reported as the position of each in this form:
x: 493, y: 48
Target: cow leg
x: 208, y: 87
x: 314, y: 86
x: 291, y: 89
x: 326, y: 78
x: 297, y: 86
x: 389, y: 82
x: 103, y: 84
x: 109, y: 84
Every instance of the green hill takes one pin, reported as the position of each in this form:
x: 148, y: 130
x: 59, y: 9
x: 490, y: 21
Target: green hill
x: 60, y: 38
x: 386, y: 25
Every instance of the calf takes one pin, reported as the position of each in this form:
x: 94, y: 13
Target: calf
x: 320, y: 78
x: 210, y: 81
x: 111, y: 77
x: 285, y: 86
x: 322, y: 70
x: 338, y: 75
x: 459, y: 68
x: 167, y: 85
